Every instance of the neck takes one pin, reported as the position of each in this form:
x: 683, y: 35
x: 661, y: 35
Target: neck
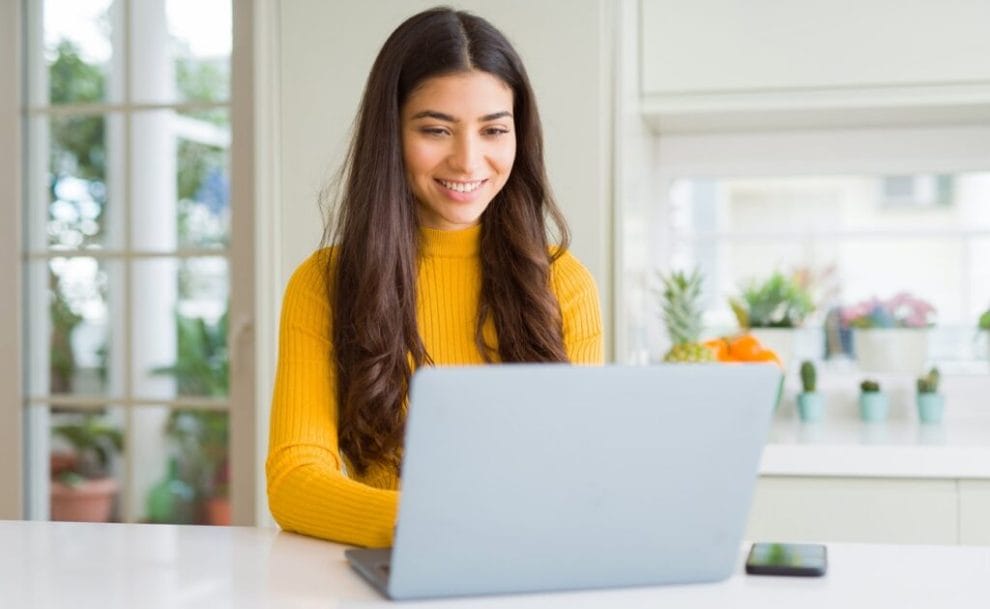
x: 461, y: 243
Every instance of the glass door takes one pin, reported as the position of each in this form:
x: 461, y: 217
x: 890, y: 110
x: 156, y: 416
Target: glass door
x: 128, y: 260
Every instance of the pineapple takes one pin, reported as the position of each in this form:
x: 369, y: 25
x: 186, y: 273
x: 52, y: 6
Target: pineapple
x: 682, y: 314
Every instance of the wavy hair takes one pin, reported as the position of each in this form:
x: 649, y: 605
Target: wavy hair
x: 375, y: 230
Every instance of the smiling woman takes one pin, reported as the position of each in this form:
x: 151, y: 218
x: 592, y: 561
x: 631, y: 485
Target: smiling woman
x: 437, y: 255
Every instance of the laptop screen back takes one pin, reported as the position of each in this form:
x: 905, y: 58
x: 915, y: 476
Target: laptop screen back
x: 553, y: 477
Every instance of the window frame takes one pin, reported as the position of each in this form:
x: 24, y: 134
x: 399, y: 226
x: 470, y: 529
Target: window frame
x: 240, y: 403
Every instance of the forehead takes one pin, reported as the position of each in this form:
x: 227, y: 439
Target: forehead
x: 463, y: 94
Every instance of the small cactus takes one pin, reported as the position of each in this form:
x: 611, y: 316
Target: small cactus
x: 870, y: 386
x: 808, y: 376
x: 929, y: 382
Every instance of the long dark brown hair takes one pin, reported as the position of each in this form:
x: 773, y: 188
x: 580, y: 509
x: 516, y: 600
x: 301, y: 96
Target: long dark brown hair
x: 372, y: 271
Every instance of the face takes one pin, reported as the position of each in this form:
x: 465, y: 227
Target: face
x: 458, y: 144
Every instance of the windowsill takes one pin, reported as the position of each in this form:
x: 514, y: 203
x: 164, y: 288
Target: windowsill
x: 902, y: 447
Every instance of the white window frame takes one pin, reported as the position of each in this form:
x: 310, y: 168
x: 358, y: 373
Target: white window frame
x: 241, y: 401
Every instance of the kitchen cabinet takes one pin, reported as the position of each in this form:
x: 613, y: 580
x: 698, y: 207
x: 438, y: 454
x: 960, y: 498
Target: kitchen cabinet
x: 871, y: 510
x: 868, y: 510
x: 715, y: 64
x: 974, y: 512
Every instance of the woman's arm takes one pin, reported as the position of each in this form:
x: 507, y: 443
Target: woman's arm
x: 578, y: 297
x: 307, y: 491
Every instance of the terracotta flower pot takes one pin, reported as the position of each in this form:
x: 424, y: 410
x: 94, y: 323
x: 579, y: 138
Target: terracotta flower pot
x: 90, y: 501
x: 218, y: 511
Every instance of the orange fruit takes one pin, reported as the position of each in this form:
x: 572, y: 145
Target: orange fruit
x: 720, y: 347
x: 767, y: 355
x: 744, y: 348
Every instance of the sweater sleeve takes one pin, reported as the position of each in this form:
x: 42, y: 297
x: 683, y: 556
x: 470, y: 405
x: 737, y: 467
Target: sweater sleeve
x: 578, y: 297
x: 307, y: 490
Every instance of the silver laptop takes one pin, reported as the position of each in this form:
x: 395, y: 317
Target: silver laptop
x: 524, y: 478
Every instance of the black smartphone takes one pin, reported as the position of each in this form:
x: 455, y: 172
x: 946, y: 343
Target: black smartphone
x: 800, y: 559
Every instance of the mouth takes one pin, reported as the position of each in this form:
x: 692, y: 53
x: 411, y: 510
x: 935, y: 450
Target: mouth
x: 461, y: 187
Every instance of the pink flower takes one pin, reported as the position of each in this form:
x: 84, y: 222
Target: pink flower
x: 900, y: 311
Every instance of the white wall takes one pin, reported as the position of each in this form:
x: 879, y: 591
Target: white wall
x: 326, y: 50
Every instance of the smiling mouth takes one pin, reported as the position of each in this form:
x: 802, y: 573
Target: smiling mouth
x: 462, y: 186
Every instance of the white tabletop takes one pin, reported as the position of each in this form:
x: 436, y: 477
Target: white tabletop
x: 53, y: 565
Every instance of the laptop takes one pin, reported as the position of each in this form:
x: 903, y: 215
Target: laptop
x: 548, y: 477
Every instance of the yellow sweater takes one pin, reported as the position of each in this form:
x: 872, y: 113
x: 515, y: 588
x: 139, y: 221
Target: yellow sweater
x: 309, y: 490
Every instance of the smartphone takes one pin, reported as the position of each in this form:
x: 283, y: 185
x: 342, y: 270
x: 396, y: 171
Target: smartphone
x: 800, y: 559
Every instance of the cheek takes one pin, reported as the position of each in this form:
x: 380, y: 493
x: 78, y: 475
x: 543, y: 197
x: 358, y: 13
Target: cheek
x: 507, y: 158
x: 416, y: 158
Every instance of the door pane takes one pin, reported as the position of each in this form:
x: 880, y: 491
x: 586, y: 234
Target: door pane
x: 82, y: 206
x: 85, y: 464
x: 180, y: 328
x: 78, y: 43
x: 181, y: 466
x: 181, y: 51
x: 181, y: 184
x: 70, y: 346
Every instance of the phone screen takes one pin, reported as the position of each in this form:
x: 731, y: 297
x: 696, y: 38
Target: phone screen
x: 787, y: 559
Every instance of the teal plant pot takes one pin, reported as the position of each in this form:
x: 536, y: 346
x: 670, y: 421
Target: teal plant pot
x: 811, y: 406
x: 873, y: 406
x: 930, y: 407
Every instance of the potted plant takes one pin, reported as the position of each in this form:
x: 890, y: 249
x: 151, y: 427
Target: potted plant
x: 930, y: 402
x: 82, y: 488
x: 771, y: 309
x: 217, y: 506
x: 811, y: 403
x: 200, y: 437
x: 890, y: 335
x: 873, y: 403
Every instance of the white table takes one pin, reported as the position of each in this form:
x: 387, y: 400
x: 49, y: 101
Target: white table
x: 47, y: 565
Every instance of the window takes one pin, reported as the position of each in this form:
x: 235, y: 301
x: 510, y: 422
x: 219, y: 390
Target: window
x: 869, y: 213
x: 852, y: 242
x: 129, y: 259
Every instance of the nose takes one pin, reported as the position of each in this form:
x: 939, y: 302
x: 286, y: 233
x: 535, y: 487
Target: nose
x: 465, y: 157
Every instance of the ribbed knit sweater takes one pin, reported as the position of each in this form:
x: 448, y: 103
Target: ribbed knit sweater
x: 309, y: 489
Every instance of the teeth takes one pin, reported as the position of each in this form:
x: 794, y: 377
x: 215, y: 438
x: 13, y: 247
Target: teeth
x: 462, y: 186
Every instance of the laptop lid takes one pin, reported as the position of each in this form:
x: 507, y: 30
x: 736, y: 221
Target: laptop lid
x: 520, y: 478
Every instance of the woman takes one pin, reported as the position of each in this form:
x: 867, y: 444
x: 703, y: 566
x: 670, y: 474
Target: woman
x: 440, y: 257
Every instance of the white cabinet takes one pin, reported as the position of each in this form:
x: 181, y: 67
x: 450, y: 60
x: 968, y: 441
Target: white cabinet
x: 870, y: 510
x: 974, y: 512
x: 814, y: 62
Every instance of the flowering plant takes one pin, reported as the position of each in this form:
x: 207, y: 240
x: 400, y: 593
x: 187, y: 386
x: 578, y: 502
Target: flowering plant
x: 901, y: 311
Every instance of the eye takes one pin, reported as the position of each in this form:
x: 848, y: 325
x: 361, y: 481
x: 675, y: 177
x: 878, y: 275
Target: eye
x: 434, y: 131
x: 495, y: 131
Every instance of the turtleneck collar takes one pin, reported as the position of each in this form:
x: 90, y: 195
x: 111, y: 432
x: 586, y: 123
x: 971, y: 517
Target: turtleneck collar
x: 463, y: 243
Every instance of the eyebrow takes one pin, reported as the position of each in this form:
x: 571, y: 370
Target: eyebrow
x: 450, y: 119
